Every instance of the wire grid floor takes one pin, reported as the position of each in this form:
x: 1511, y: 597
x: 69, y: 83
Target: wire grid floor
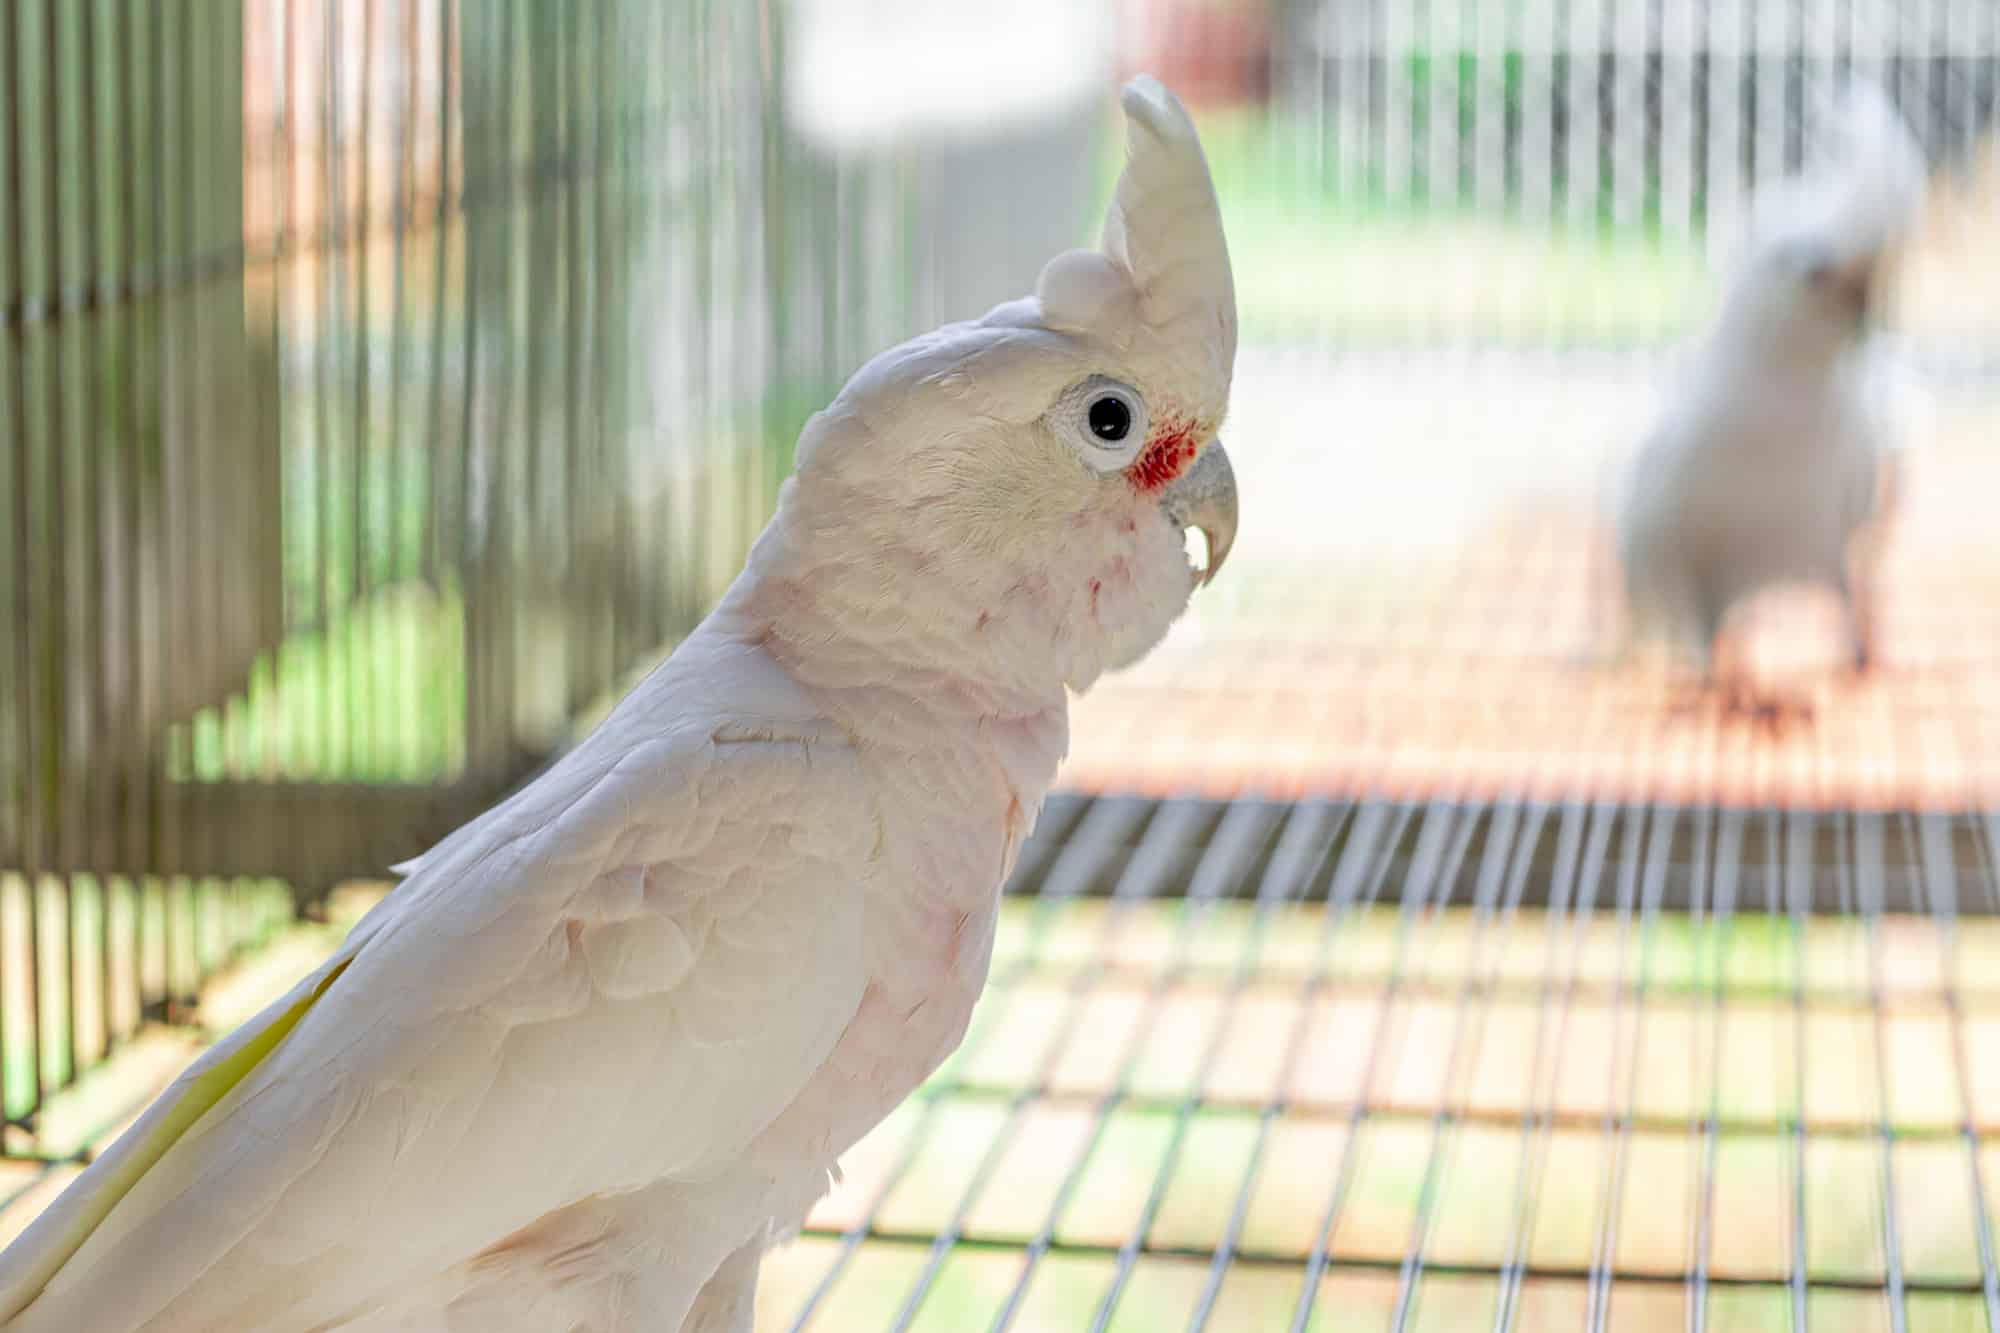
x: 1319, y: 1065
x: 1391, y: 1065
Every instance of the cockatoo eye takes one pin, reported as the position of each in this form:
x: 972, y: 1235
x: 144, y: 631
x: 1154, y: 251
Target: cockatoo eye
x: 1110, y: 418
x: 1104, y: 420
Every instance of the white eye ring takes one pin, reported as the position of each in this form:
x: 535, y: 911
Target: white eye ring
x: 1104, y: 420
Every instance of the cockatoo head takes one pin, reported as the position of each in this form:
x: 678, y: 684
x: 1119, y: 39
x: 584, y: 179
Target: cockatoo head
x: 1009, y: 497
x: 1821, y: 247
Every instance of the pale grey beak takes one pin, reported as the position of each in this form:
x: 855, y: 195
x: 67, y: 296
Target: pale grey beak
x: 1854, y: 280
x: 1204, y: 497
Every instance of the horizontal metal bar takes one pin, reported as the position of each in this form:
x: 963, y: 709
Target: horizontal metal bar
x: 1084, y: 1249
x: 330, y: 831
x: 1903, y: 886
x: 415, y: 215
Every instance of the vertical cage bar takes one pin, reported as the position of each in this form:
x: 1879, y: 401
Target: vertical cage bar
x: 98, y: 841
x: 1165, y: 834
x: 1399, y: 109
x: 1681, y: 90
x: 321, y: 322
x: 477, y: 538
x: 1223, y: 865
x: 543, y: 152
x: 1722, y: 173
x: 1434, y: 827
x: 1861, y: 869
x: 1503, y: 870
x: 1493, y: 106
x: 1581, y: 840
x: 1788, y: 873
x: 586, y: 173
x: 437, y: 555
x: 136, y: 830
x: 608, y: 415
x: 404, y: 561
x: 1303, y: 857
x: 193, y: 495
x: 1584, y: 47
x: 1645, y: 845
x: 1938, y: 879
x: 1630, y: 43
x: 52, y: 633
x: 20, y: 581
x: 357, y: 226
x: 1719, y: 875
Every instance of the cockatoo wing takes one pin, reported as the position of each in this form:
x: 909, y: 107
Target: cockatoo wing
x: 623, y: 980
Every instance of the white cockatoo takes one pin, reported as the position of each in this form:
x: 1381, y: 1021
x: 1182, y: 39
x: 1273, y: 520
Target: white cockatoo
x: 1776, y: 451
x: 605, y: 1043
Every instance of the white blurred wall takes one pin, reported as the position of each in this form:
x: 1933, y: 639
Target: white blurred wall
x: 997, y: 107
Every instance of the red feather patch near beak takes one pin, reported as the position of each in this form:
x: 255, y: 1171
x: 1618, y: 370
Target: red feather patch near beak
x: 1169, y: 452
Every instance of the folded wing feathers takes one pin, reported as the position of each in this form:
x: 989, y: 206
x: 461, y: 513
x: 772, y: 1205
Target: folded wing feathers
x: 489, y: 1004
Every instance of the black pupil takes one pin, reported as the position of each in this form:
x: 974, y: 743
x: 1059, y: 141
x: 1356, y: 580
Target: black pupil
x: 1110, y: 419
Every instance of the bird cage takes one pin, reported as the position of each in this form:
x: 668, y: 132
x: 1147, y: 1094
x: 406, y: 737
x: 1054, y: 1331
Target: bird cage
x: 141, y: 593
x: 1387, y: 961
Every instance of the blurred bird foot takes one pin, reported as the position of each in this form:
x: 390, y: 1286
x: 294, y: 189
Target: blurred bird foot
x: 1738, y: 701
x: 1773, y: 714
x: 1766, y: 711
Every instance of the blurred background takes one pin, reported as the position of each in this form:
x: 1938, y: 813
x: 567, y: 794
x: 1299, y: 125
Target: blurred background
x: 386, y: 383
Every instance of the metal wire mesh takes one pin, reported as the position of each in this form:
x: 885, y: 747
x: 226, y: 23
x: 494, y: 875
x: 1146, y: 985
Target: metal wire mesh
x: 1563, y: 170
x: 1357, y: 1065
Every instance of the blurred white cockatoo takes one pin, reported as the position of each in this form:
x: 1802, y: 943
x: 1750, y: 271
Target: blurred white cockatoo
x: 606, y: 1042
x: 1775, y: 454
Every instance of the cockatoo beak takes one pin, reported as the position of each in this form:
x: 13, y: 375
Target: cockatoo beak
x: 1204, y: 497
x: 1856, y: 282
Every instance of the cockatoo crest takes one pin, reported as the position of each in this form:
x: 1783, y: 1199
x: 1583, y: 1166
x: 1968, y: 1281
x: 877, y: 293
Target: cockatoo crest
x: 1820, y: 244
x: 1164, y: 263
x: 1864, y: 192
